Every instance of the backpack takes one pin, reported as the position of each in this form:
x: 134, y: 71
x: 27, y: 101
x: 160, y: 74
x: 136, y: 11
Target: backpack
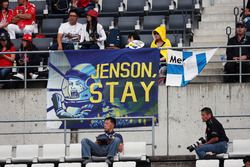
x: 59, y: 6
x: 113, y: 38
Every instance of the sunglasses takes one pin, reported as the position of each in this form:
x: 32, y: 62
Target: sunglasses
x: 240, y: 26
x: 156, y: 33
x: 72, y: 15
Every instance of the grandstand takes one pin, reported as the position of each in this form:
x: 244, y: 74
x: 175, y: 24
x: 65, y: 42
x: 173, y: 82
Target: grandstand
x: 26, y: 141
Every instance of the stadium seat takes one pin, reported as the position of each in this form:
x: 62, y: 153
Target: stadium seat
x: 16, y: 165
x: 50, y: 26
x: 147, y: 39
x: 124, y: 164
x: 74, y: 152
x: 135, y: 6
x: 174, y: 38
x: 53, y: 152
x: 160, y: 5
x: 16, y: 43
x: 185, y: 4
x: 42, y: 43
x: 233, y: 163
x: 105, y: 22
x: 5, y: 153
x: 124, y: 40
x: 82, y: 20
x: 26, y: 153
x: 110, y: 6
x: 97, y: 164
x: 241, y: 148
x: 134, y: 151
x: 69, y: 165
x: 43, y: 165
x: 127, y: 23
x: 177, y: 22
x: 207, y: 163
x: 151, y: 22
x: 40, y: 6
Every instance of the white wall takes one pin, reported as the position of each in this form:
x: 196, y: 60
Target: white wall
x: 179, y: 117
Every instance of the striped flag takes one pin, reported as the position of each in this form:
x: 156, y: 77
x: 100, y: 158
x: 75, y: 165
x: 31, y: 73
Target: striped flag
x: 186, y: 65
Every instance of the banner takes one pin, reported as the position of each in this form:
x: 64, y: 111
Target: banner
x: 185, y: 66
x: 102, y: 83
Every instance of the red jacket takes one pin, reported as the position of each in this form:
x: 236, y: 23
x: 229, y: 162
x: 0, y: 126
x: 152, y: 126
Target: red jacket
x: 83, y: 3
x: 4, y: 62
x: 6, y: 15
x: 28, y: 9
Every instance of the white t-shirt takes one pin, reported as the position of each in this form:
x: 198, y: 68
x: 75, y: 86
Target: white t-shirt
x: 70, y: 33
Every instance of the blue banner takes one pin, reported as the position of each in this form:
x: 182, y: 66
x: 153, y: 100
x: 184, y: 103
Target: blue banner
x: 102, y: 83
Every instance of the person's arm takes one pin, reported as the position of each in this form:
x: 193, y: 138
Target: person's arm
x: 102, y: 34
x: 121, y: 147
x: 25, y: 16
x: 213, y: 140
x: 11, y: 58
x: 59, y: 41
x: 230, y: 51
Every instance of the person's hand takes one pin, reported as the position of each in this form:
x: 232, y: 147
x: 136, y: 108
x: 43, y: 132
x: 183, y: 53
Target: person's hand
x: 60, y: 47
x: 243, y: 57
x: 236, y: 58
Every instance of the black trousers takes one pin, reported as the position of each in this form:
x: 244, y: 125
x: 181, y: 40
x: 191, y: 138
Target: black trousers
x: 234, y: 68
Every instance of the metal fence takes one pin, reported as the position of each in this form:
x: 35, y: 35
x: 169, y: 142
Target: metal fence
x: 66, y: 131
x: 221, y: 60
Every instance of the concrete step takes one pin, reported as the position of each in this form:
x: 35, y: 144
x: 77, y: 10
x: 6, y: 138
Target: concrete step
x: 210, y: 38
x: 219, y: 10
x: 228, y: 1
x: 207, y: 79
x: 211, y: 31
x: 217, y: 17
x: 214, y: 44
x: 213, y: 25
x: 211, y: 71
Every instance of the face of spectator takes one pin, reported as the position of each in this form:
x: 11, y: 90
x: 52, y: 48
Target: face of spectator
x: 157, y: 36
x: 108, y: 126
x: 240, y: 30
x: 3, y: 42
x: 5, y: 5
x: 72, y: 18
x: 205, y: 116
x: 21, y: 2
x: 25, y: 43
x: 247, y: 164
x: 89, y: 18
x: 130, y: 39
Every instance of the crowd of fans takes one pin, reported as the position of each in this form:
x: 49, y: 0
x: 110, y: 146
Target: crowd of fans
x: 74, y: 35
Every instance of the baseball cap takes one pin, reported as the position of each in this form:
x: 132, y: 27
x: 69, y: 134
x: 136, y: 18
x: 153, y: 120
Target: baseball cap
x: 27, y: 37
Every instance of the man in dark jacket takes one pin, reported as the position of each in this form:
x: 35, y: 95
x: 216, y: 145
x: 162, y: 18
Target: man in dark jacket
x: 246, y: 161
x: 216, y: 139
x: 234, y: 54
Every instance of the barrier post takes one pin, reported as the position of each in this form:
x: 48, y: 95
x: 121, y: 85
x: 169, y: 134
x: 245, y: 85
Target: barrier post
x: 153, y: 136
x: 240, y: 77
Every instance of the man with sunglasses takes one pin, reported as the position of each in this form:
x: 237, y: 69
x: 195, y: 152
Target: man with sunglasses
x: 233, y: 54
x: 246, y: 161
x: 69, y: 33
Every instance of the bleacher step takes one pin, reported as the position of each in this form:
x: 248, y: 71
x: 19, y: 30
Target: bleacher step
x: 209, y: 38
x: 217, y: 17
x: 219, y: 10
x: 212, y: 32
x: 215, y: 25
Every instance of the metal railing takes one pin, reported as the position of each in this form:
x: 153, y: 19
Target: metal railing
x: 240, y: 74
x: 65, y: 131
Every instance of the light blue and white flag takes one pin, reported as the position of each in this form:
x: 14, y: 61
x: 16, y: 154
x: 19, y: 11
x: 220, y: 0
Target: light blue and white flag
x: 185, y: 66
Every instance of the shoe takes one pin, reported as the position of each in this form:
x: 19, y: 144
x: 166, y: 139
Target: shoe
x: 34, y: 76
x: 87, y: 160
x: 210, y: 156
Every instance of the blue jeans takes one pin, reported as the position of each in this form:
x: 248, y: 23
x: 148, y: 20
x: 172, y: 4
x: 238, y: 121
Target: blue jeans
x: 217, y: 148
x: 4, y: 73
x: 90, y: 148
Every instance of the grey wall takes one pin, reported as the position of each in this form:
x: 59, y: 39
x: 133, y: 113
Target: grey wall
x: 179, y: 117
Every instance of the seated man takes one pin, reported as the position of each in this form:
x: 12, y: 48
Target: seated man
x: 246, y: 161
x: 23, y: 20
x: 107, y: 144
x: 69, y: 33
x: 234, y: 54
x: 216, y: 139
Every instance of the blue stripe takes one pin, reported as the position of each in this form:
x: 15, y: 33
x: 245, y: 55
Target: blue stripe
x: 56, y: 69
x: 175, y: 69
x: 186, y: 54
x: 54, y: 90
x: 201, y: 61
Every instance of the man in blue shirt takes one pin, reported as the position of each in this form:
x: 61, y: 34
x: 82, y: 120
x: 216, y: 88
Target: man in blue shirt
x: 107, y: 144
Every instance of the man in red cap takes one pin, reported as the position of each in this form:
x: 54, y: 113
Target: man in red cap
x: 93, y: 32
x: 84, y: 6
x: 23, y: 20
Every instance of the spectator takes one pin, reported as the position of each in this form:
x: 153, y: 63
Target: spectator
x: 23, y: 20
x: 58, y: 6
x: 93, y: 32
x: 234, y: 54
x: 69, y: 32
x: 246, y: 15
x: 246, y: 161
x: 33, y: 59
x: 6, y: 60
x: 161, y: 41
x: 107, y: 144
x: 133, y: 36
x: 83, y: 6
x: 216, y: 139
x: 6, y: 14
